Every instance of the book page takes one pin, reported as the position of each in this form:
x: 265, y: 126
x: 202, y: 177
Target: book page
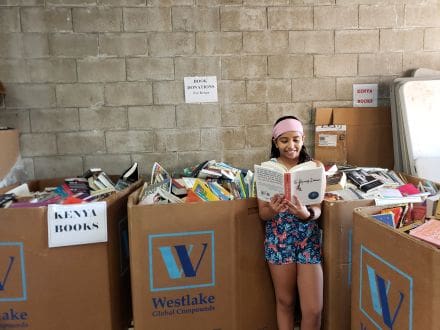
x: 269, y: 182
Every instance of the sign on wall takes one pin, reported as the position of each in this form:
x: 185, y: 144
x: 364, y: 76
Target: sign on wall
x: 200, y: 89
x: 365, y: 95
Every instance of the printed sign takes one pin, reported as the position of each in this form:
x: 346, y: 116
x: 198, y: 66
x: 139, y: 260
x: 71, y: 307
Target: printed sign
x: 12, y: 272
x: 200, y: 89
x: 181, y: 260
x: 365, y: 95
x: 77, y: 224
x: 386, y: 294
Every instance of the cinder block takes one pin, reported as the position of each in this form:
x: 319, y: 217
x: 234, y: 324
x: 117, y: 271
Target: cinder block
x: 103, y: 118
x: 30, y: 96
x: 189, y: 158
x: 335, y: 17
x: 421, y: 60
x: 432, y: 39
x: 422, y: 14
x: 168, y: 92
x: 357, y: 41
x: 172, y: 44
x: 380, y: 64
x: 243, y: 19
x: 147, y: 19
x: 54, y: 19
x: 23, y: 3
x: 401, y: 40
x: 335, y: 65
x: 150, y: 68
x: 73, y: 45
x: 258, y: 136
x: 18, y: 119
x: 290, y: 66
x: 122, y: 44
x: 269, y: 90
x: 232, y: 91
x: 197, y: 66
x: 195, y: 19
x: 54, y: 120
x: 72, y: 3
x: 265, y: 2
x: 246, y: 159
x: 320, y: 42
x: 28, y: 164
x: 11, y: 45
x: 301, y: 110
x: 198, y: 115
x: 152, y: 117
x: 223, y: 138
x: 81, y: 143
x: 244, y: 114
x: 35, y: 45
x: 52, y: 70
x: 168, y: 140
x: 244, y: 67
x: 203, y: 2
x: 97, y: 19
x: 381, y: 16
x: 9, y: 20
x: 37, y: 144
x: 218, y: 43
x: 344, y: 86
x: 13, y: 71
x: 128, y: 93
x: 129, y: 141
x: 58, y: 166
x: 167, y: 160
x: 266, y: 42
x: 80, y: 95
x: 313, y: 89
x: 101, y: 70
x: 290, y: 18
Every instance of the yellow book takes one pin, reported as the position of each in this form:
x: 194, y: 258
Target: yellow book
x: 202, y: 190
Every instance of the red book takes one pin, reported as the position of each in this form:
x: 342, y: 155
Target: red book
x: 408, y: 189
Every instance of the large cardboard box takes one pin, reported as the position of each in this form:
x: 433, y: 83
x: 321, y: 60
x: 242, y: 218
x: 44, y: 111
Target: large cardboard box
x: 368, y: 135
x: 9, y: 147
x: 199, y: 266
x: 74, y: 287
x: 395, y: 278
x: 337, y: 225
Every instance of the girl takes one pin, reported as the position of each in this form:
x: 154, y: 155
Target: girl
x: 292, y: 244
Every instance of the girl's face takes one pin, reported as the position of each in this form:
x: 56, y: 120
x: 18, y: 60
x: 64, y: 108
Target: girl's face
x: 289, y: 144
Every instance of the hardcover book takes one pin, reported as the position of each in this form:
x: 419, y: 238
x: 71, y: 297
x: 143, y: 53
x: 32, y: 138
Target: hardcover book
x: 306, y: 181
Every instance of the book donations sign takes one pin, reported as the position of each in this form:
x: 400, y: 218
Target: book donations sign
x: 200, y: 89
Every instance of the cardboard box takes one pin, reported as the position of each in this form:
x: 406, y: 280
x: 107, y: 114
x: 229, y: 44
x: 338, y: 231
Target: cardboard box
x: 368, y: 139
x: 337, y: 225
x: 199, y: 266
x: 330, y: 144
x: 9, y: 146
x: 74, y: 287
x: 395, y: 277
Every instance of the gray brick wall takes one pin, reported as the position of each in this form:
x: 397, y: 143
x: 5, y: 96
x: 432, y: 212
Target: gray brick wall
x: 100, y: 82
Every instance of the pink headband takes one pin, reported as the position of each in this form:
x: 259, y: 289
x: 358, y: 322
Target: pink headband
x: 287, y: 125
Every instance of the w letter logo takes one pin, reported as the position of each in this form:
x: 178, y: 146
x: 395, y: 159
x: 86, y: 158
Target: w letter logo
x: 188, y: 269
x: 181, y: 260
x: 12, y: 272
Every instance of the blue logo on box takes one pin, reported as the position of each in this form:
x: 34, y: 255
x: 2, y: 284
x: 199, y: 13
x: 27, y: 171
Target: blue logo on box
x: 12, y: 272
x: 181, y: 260
x: 386, y: 303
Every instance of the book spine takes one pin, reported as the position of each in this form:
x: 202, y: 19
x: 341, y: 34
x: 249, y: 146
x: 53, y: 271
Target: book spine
x: 288, y: 187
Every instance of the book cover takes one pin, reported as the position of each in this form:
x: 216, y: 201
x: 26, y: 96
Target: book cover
x: 429, y: 232
x: 386, y: 218
x: 306, y: 181
x: 364, y: 181
x: 203, y: 191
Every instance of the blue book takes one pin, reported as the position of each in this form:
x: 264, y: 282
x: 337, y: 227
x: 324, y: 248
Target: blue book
x: 386, y: 218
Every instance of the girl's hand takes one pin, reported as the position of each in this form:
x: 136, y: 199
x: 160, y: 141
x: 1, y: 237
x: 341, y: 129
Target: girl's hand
x: 278, y: 203
x: 297, y: 208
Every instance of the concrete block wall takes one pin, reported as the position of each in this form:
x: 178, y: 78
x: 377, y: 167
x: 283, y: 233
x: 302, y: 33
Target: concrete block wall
x: 100, y: 82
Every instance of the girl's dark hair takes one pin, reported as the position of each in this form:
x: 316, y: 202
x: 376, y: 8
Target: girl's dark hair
x: 275, y: 153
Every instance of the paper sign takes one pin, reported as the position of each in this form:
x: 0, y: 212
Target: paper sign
x: 76, y: 224
x: 365, y: 95
x: 200, y: 89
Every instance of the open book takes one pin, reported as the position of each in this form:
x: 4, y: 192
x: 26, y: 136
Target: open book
x: 305, y: 181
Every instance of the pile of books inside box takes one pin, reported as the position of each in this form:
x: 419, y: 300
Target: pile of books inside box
x: 94, y: 185
x: 207, y: 181
x: 407, y: 207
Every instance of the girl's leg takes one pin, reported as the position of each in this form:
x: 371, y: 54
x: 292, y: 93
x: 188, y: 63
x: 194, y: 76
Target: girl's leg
x: 284, y: 282
x: 310, y: 288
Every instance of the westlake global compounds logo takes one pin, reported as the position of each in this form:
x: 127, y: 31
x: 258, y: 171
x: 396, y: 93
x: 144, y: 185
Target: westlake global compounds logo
x: 386, y: 294
x: 181, y: 260
x: 12, y: 272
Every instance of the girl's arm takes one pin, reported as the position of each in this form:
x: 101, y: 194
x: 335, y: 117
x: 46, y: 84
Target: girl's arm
x: 267, y: 210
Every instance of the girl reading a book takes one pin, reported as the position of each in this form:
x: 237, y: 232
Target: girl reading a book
x: 292, y: 243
